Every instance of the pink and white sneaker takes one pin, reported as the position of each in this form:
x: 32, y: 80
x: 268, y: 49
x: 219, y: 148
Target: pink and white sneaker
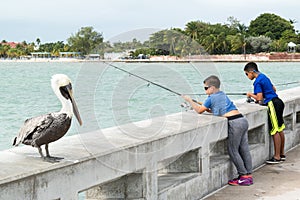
x: 244, y: 180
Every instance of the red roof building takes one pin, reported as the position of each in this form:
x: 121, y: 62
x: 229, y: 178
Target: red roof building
x: 11, y: 44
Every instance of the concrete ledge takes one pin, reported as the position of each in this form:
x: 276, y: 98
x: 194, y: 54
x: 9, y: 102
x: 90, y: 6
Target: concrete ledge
x: 140, y: 160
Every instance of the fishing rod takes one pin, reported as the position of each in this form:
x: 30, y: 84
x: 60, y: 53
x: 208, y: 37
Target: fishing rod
x: 147, y: 80
x: 250, y: 100
x: 294, y: 82
x: 240, y: 93
x: 243, y: 93
x: 230, y: 93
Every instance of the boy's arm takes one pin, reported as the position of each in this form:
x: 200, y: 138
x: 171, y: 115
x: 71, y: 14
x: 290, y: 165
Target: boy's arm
x: 274, y: 88
x: 199, y: 109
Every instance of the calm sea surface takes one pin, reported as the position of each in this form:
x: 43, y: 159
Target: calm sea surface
x: 108, y: 97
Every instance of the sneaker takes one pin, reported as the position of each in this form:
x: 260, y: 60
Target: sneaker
x: 282, y: 157
x: 245, y: 181
x: 234, y: 182
x: 241, y: 180
x: 273, y: 161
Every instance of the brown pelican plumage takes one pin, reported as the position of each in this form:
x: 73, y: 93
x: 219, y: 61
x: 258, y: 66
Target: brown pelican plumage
x: 44, y: 129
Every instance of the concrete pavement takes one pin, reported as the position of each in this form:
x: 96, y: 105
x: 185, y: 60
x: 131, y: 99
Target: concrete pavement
x: 271, y: 182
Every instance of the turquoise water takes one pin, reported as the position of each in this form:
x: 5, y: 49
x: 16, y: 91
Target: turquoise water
x: 108, y: 97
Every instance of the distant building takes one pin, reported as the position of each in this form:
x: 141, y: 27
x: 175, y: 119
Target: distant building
x: 94, y: 56
x: 69, y: 54
x: 11, y: 44
x: 142, y: 56
x: 118, y: 55
x: 40, y: 55
x: 292, y: 47
x: 114, y: 55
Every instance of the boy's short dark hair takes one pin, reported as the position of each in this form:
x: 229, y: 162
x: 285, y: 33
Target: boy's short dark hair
x: 212, y: 81
x: 251, y: 66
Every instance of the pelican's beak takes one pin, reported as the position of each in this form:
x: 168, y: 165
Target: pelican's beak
x: 75, y: 109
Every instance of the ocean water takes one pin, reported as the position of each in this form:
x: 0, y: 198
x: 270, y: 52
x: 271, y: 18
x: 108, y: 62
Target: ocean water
x: 109, y: 97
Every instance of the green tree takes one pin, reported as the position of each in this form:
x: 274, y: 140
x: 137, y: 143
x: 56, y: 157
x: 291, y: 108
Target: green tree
x: 145, y: 51
x: 2, y: 51
x: 197, y: 30
x: 4, y: 48
x: 124, y: 46
x: 66, y: 48
x: 86, y: 40
x: 259, y: 44
x: 14, y: 53
x: 38, y: 42
x: 159, y: 42
x: 270, y: 25
x: 222, y: 44
x: 192, y: 29
x: 289, y: 36
x: 235, y: 26
x: 214, y: 39
x: 237, y: 43
x: 278, y: 45
x: 173, y: 42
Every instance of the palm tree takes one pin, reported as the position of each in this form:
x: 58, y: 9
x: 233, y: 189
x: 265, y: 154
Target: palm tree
x: 209, y: 42
x: 237, y: 43
x: 221, y: 43
x: 293, y: 21
x: 2, y: 51
x: 38, y: 41
x: 192, y: 29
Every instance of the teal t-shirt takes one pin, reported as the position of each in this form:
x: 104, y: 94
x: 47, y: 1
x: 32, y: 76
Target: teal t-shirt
x: 219, y: 103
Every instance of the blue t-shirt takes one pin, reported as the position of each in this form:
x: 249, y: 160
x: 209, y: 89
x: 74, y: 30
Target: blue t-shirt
x: 262, y: 84
x: 219, y: 103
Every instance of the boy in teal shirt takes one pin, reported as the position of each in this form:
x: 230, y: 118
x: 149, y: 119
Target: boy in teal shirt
x: 238, y: 148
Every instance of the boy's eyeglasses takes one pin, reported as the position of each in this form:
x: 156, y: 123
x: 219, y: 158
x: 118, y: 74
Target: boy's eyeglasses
x: 246, y: 73
x: 206, y: 87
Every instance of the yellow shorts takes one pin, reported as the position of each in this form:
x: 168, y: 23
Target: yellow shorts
x: 275, y: 111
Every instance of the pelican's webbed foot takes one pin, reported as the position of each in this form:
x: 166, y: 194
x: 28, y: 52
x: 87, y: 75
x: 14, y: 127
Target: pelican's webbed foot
x: 52, y: 159
x: 49, y: 158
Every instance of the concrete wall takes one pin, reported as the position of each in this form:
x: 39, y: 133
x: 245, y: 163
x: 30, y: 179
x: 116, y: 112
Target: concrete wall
x: 179, y: 156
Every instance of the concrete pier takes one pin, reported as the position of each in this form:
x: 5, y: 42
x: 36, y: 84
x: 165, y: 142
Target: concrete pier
x: 271, y: 182
x: 179, y: 156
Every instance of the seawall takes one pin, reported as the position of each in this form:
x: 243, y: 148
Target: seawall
x: 178, y: 156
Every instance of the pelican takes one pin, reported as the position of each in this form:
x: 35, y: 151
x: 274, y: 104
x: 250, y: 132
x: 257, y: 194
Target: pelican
x: 44, y: 129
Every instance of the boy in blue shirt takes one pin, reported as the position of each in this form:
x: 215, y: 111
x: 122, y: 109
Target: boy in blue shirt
x: 265, y: 94
x: 238, y: 148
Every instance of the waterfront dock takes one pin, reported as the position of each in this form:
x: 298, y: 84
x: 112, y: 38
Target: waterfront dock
x: 271, y: 182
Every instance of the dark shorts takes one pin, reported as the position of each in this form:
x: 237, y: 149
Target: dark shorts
x: 275, y: 112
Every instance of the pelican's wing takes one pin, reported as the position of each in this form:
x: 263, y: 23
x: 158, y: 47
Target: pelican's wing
x: 32, y: 128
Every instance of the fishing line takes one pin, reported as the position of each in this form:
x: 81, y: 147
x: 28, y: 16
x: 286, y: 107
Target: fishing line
x: 294, y: 82
x: 147, y: 80
x: 229, y: 93
x: 238, y: 93
x: 243, y: 93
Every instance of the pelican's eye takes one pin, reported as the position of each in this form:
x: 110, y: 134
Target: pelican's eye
x: 69, y: 86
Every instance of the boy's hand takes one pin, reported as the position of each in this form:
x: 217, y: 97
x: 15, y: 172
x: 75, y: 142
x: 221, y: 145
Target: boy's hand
x: 186, y: 98
x: 249, y: 94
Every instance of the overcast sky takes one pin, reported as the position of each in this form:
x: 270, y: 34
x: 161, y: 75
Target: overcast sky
x: 57, y: 20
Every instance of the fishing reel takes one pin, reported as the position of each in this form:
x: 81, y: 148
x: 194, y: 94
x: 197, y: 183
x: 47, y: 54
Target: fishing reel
x: 186, y: 106
x: 250, y: 100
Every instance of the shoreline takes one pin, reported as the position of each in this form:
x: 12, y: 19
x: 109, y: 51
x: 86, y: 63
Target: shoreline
x: 142, y: 61
x: 261, y: 57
